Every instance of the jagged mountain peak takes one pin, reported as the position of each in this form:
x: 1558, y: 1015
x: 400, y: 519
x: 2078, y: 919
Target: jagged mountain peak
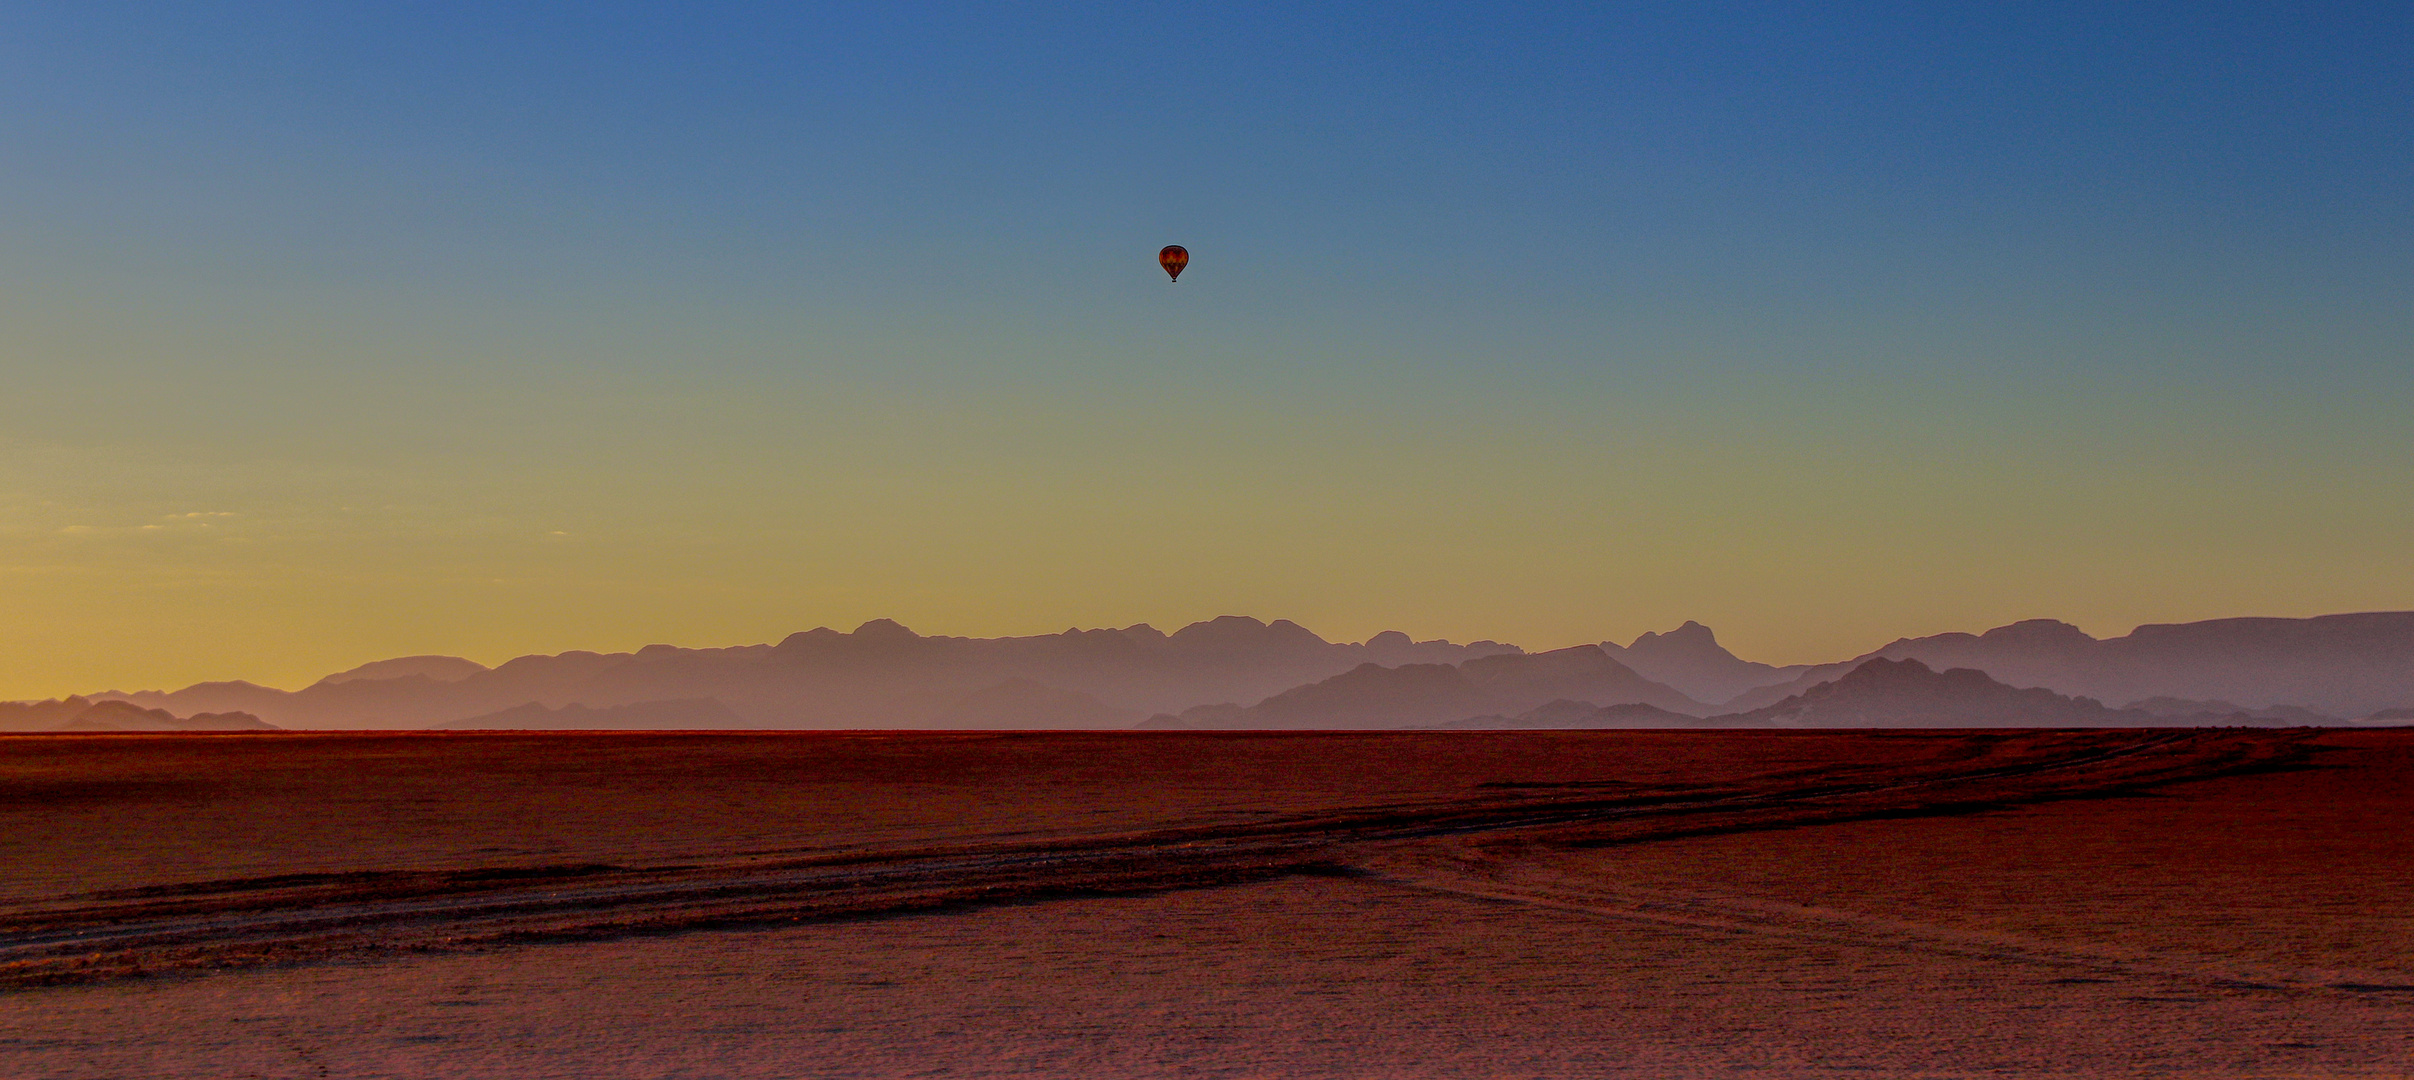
x: 1690, y: 659
x: 1691, y: 635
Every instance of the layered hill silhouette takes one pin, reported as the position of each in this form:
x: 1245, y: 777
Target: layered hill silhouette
x: 694, y: 714
x: 2334, y: 665
x: 1690, y: 659
x: 1907, y: 693
x: 434, y: 668
x: 83, y: 714
x: 1240, y: 672
x: 1890, y: 694
x: 1564, y: 713
x: 1413, y: 695
x: 879, y: 675
x: 1885, y: 693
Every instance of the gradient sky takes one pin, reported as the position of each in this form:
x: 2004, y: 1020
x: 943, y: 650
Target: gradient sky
x: 336, y: 332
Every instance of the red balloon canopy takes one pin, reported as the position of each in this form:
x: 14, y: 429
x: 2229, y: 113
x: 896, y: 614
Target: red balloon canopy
x: 1173, y: 259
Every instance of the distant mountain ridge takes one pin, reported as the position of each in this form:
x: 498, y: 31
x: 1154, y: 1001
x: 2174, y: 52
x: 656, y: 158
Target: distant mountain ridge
x: 880, y: 675
x: 434, y: 668
x: 1881, y: 693
x: 1907, y: 693
x: 693, y: 714
x: 1584, y: 714
x: 1238, y: 671
x: 1690, y: 659
x: 2336, y: 665
x: 1411, y: 695
x: 83, y: 714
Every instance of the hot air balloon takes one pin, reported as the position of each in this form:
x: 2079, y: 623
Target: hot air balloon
x: 1173, y: 259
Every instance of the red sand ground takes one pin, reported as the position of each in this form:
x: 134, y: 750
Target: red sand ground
x: 1379, y: 905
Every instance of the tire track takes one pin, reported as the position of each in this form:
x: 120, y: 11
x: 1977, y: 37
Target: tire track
x: 299, y: 918
x: 1537, y: 883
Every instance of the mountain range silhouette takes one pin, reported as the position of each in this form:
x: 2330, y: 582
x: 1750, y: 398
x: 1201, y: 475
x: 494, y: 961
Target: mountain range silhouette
x: 79, y: 713
x: 2333, y: 665
x: 1371, y: 695
x: 1691, y: 659
x: 1240, y: 672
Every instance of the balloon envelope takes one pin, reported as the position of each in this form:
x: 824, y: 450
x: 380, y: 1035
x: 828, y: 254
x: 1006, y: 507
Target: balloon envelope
x: 1173, y: 259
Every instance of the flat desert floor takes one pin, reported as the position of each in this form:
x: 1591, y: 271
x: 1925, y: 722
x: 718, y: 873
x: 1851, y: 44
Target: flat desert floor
x: 1479, y: 904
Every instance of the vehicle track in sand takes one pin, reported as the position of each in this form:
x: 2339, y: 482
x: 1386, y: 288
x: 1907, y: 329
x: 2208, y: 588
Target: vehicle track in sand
x: 208, y: 925
x: 1570, y: 886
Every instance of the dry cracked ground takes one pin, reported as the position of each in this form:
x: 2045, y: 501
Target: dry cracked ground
x: 1511, y: 904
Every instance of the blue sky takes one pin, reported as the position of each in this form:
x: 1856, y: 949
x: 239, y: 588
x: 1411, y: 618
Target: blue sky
x: 504, y: 328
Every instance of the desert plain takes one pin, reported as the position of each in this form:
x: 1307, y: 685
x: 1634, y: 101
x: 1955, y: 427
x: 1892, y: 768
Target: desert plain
x: 1877, y: 904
